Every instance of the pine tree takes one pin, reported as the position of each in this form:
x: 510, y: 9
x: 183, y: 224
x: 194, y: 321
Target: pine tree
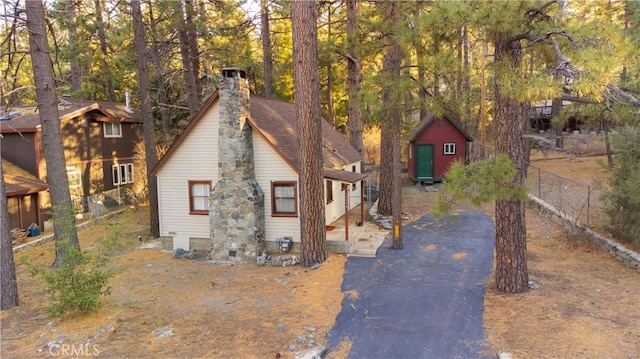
x: 307, y: 104
x: 8, y: 284
x: 147, y: 117
x: 63, y: 217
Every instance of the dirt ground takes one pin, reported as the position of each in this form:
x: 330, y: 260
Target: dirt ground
x: 586, y: 305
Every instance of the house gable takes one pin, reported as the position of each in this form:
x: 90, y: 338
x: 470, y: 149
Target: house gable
x: 448, y: 142
x: 86, y: 148
x: 274, y: 139
x: 193, y: 158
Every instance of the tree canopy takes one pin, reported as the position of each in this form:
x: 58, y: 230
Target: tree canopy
x: 488, y: 61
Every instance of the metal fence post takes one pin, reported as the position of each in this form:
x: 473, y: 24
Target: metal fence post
x: 588, y: 202
x: 560, y: 193
x: 622, y: 224
x: 539, y: 183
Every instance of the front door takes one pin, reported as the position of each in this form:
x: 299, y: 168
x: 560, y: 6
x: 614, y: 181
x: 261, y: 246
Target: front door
x: 424, y: 162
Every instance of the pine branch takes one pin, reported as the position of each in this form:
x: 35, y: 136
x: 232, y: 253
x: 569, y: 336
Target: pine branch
x: 630, y: 99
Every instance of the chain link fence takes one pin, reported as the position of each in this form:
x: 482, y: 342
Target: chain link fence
x: 576, y: 199
x: 580, y: 201
x: 98, y: 204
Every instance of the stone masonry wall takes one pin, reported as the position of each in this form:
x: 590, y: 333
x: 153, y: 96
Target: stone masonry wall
x: 236, y: 204
x: 619, y: 252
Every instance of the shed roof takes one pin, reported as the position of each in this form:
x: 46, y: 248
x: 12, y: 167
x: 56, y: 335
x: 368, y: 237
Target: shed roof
x: 430, y: 118
x: 19, y: 182
x: 344, y: 176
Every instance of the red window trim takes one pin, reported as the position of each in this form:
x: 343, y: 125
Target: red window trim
x: 197, y: 211
x: 294, y: 184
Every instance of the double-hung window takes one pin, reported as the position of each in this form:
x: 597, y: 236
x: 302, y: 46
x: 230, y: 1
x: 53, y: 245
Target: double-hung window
x: 199, y: 197
x: 329, y: 191
x: 112, y: 129
x: 284, y: 199
x: 74, y: 176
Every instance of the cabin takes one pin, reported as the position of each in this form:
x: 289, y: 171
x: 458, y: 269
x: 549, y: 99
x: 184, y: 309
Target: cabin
x: 99, y: 140
x: 435, y: 143
x: 229, y: 182
x: 22, y: 190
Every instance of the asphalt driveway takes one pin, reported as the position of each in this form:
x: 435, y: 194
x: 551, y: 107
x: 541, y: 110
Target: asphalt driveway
x: 422, y: 301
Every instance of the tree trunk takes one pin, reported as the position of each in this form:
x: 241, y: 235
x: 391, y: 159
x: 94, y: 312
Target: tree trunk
x: 159, y: 80
x: 607, y: 143
x: 458, y: 92
x: 64, y: 227
x: 436, y: 75
x: 108, y: 82
x: 390, y: 176
x: 467, y: 79
x: 267, y: 58
x: 194, y: 51
x: 147, y: 116
x: 556, y: 107
x: 353, y: 80
x: 76, y: 75
x: 9, y: 286
x: 187, y: 63
x: 511, y: 260
x: 307, y: 104
x: 483, y: 96
x: 330, y: 116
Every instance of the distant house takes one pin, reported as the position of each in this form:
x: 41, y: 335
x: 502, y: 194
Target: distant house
x: 22, y: 190
x: 98, y: 139
x: 230, y: 180
x: 435, y: 143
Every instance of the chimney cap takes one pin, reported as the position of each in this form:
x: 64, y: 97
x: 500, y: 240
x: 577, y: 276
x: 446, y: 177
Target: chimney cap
x: 232, y: 71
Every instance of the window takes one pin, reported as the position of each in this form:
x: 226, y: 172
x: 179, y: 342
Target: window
x: 112, y: 129
x: 284, y: 199
x: 73, y: 174
x: 199, y: 197
x: 122, y: 174
x: 354, y: 186
x: 329, y: 191
x: 449, y: 148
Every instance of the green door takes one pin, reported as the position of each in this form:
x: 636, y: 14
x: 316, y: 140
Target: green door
x: 424, y: 162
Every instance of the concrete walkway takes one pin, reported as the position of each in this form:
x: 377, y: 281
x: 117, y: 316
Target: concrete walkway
x: 422, y: 301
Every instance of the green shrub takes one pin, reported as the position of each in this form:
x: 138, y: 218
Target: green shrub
x: 480, y: 182
x: 78, y: 285
x: 622, y: 201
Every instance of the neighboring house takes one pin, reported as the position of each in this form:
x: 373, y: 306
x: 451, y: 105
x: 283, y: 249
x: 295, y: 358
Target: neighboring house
x: 436, y: 142
x: 98, y: 139
x: 23, y: 196
x: 230, y: 180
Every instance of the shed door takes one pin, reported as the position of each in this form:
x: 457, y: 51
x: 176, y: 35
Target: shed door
x: 424, y: 161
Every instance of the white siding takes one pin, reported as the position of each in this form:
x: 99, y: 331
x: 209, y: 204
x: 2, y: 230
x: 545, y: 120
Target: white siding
x: 354, y: 195
x: 270, y: 167
x: 196, y: 158
x: 335, y: 209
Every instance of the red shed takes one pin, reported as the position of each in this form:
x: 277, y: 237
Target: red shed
x: 435, y: 143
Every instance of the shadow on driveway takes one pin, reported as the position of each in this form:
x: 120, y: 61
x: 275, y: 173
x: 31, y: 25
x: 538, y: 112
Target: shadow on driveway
x: 422, y: 301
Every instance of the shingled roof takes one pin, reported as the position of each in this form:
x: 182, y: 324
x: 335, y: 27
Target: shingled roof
x: 276, y: 122
x: 430, y: 118
x: 28, y: 119
x: 19, y: 182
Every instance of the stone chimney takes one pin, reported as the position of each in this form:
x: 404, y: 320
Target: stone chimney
x: 236, y: 206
